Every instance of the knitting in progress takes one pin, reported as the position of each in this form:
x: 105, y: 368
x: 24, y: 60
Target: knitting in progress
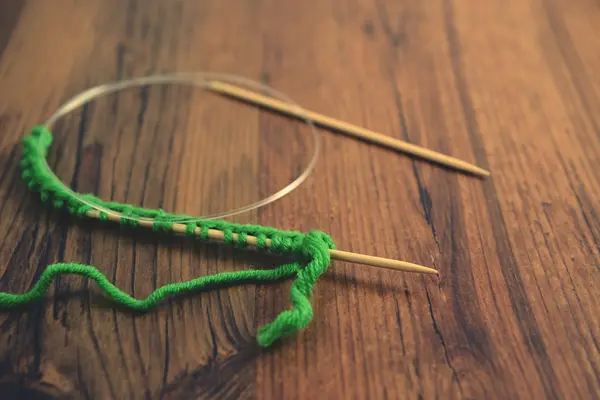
x: 312, y: 248
x: 311, y: 252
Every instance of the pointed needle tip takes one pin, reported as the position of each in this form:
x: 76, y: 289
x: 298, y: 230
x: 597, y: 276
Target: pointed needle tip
x: 482, y: 172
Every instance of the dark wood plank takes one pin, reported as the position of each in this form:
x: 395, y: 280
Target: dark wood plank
x: 9, y: 16
x: 510, y: 85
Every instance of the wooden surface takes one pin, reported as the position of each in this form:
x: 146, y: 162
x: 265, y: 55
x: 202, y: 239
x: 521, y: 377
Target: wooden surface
x: 510, y: 85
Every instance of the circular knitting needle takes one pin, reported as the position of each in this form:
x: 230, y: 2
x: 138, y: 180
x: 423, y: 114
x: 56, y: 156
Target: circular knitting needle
x: 339, y: 255
x: 345, y: 127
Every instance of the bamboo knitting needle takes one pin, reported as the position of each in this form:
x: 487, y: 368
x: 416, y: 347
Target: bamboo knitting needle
x: 218, y: 235
x: 345, y: 127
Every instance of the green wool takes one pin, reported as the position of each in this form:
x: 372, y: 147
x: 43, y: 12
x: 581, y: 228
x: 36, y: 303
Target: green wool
x: 312, y: 248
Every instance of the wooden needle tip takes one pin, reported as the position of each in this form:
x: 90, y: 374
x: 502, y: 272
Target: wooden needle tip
x: 484, y: 173
x: 475, y: 170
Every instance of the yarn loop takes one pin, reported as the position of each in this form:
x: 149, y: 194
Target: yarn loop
x: 311, y: 249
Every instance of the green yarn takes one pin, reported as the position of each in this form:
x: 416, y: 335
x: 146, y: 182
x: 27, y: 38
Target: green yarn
x: 312, y: 248
x: 9, y: 300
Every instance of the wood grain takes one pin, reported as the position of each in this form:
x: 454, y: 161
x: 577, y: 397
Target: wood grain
x: 509, y: 85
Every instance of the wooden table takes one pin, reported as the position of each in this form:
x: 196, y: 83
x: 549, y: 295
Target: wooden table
x: 512, y: 86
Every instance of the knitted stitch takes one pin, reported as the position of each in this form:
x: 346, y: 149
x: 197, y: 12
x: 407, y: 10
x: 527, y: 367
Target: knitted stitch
x: 313, y: 248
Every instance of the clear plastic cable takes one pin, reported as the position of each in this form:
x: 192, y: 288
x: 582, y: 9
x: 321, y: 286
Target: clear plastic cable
x: 200, y: 79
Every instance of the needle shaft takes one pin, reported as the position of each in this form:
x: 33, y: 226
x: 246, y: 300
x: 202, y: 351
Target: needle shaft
x: 218, y: 235
x: 345, y: 127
